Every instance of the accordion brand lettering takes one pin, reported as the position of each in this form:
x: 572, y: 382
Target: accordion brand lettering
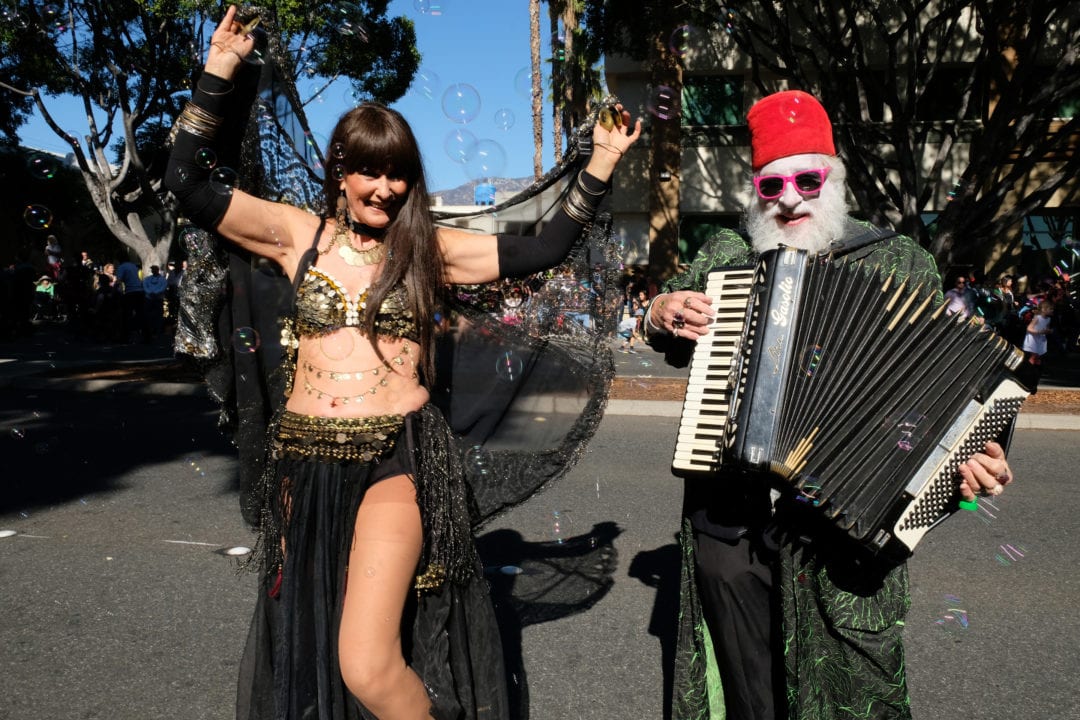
x: 782, y: 313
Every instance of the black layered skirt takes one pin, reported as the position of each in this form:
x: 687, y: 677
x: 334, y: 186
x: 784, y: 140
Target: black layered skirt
x: 450, y: 638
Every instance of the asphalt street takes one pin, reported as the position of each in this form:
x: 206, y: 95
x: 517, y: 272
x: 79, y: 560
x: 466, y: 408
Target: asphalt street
x: 120, y: 601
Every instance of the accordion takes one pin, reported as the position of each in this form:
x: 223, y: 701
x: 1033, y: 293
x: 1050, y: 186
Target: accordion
x: 848, y: 387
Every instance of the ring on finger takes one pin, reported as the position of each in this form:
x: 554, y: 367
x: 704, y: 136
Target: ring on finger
x: 686, y: 302
x: 678, y: 318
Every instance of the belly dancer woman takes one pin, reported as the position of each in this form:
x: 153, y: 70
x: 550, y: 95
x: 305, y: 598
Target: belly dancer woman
x: 373, y: 603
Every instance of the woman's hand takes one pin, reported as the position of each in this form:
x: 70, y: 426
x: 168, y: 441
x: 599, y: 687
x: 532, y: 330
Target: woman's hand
x: 684, y: 313
x: 229, y: 45
x: 611, y: 138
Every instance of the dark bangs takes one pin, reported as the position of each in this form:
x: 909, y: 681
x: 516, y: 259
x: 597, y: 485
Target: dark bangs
x: 374, y: 140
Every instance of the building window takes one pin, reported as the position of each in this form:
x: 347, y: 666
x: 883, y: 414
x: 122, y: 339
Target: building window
x: 1068, y: 107
x: 872, y: 96
x: 712, y: 100
x: 939, y: 100
x: 1050, y: 232
x: 1050, y: 250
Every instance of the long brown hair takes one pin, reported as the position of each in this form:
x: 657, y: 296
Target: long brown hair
x: 374, y: 139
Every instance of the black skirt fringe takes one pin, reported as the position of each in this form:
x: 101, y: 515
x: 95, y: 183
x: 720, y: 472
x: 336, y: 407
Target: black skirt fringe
x: 290, y: 668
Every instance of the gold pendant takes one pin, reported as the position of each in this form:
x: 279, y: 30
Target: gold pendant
x: 358, y: 258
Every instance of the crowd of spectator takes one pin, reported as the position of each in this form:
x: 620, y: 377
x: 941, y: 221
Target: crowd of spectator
x: 639, y: 291
x: 1009, y: 304
x: 120, y: 303
x: 106, y: 302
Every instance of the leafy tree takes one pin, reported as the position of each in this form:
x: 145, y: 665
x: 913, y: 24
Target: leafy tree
x: 575, y: 76
x: 968, y: 106
x: 131, y: 62
x: 924, y: 92
x: 642, y: 31
x: 42, y: 197
x: 575, y: 73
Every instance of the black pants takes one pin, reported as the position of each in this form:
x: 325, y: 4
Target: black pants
x: 1030, y: 372
x: 737, y: 587
x: 134, y: 304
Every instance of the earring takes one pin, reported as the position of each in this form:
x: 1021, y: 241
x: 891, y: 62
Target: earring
x: 342, y: 214
x: 341, y: 220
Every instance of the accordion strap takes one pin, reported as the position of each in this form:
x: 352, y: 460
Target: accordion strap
x: 866, y: 236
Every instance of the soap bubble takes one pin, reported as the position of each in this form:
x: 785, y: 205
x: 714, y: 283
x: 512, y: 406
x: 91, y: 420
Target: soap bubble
x: 246, y: 340
x: 43, y: 167
x: 508, y: 366
x: 486, y: 160
x: 461, y: 103
x: 459, y: 144
x: 223, y: 180
x: 504, y: 119
x: 38, y: 217
x: 664, y: 103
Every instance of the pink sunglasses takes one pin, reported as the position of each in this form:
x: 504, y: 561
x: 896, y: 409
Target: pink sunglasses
x: 805, y: 182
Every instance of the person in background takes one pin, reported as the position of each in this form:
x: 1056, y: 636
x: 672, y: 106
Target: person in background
x: 628, y: 330
x: 1035, y: 345
x: 154, y: 287
x: 957, y: 298
x: 133, y: 299
x: 1006, y: 323
x: 54, y: 256
x: 45, y: 299
x: 45, y: 286
x: 107, y: 313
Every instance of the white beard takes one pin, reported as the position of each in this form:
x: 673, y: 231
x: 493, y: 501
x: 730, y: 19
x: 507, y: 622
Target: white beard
x: 825, y: 225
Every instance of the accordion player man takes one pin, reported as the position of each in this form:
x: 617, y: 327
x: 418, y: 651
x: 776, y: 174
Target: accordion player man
x: 799, y: 621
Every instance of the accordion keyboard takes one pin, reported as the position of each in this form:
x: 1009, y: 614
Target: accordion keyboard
x: 709, y: 388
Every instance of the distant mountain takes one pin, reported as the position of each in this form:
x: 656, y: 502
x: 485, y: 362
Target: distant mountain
x: 463, y: 194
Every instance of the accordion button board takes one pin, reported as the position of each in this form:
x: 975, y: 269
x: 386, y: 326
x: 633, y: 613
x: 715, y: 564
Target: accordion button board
x: 849, y: 387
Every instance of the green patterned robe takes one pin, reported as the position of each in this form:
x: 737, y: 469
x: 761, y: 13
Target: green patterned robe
x: 843, y: 654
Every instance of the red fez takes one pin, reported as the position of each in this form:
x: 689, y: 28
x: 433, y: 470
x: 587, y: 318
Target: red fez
x: 788, y: 123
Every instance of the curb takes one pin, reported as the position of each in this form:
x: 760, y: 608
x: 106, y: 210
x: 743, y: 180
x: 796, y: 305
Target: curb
x: 1026, y: 420
x: 673, y: 409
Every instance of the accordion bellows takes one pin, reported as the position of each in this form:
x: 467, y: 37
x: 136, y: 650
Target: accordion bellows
x: 848, y: 386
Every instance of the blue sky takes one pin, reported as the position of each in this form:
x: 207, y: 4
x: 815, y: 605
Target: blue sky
x: 475, y: 49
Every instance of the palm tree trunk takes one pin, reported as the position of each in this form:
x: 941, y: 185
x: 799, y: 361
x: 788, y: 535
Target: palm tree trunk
x: 537, y: 98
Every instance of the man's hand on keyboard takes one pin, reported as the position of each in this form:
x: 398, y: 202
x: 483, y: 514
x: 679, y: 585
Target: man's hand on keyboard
x: 682, y: 314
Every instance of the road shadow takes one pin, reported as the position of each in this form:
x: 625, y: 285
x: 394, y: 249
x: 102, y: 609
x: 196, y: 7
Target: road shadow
x: 537, y: 582
x: 659, y: 569
x: 59, y: 445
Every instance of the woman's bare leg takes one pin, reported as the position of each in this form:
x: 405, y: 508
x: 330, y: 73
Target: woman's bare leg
x: 382, y: 566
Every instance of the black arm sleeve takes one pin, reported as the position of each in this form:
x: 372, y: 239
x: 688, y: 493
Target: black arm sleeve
x: 520, y: 255
x: 185, y: 175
